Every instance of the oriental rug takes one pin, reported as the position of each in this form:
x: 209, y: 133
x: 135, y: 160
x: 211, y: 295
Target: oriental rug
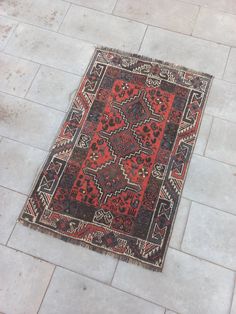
x: 114, y: 177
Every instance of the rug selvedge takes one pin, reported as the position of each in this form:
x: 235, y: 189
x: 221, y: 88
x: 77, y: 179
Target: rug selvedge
x: 114, y: 177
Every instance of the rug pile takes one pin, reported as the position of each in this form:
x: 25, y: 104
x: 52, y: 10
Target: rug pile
x: 114, y: 177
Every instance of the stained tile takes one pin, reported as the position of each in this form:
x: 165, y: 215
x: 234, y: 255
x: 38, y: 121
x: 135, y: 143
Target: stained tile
x: 44, y: 13
x: 216, y: 26
x: 50, y: 49
x: 121, y: 33
x: 222, y: 100
x: 102, y: 5
x: 230, y: 71
x: 28, y: 122
x: 203, y: 134
x: 11, y: 204
x: 23, y: 282
x: 186, y: 285
x: 212, y: 183
x: 221, y: 144
x: 19, y: 165
x: 16, y: 74
x: 71, y: 293
x: 185, y: 50
x: 53, y: 88
x: 167, y: 14
x: 6, y: 28
x: 180, y: 222
x: 73, y: 257
x: 213, y: 237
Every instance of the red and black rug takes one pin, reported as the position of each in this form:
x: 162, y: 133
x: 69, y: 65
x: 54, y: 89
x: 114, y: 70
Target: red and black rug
x: 114, y: 177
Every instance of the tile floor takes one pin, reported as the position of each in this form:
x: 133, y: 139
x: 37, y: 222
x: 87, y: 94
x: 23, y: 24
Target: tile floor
x: 45, y: 47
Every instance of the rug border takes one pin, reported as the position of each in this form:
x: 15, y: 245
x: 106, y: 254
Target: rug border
x: 101, y: 250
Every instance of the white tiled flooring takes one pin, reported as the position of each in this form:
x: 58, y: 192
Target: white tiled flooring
x: 45, y: 47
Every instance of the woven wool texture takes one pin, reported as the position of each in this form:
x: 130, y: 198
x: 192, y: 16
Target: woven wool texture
x: 114, y: 177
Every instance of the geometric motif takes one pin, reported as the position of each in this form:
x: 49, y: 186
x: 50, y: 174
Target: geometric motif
x: 115, y: 174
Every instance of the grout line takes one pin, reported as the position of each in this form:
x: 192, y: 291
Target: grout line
x: 185, y: 226
x: 12, y: 33
x: 13, y: 229
x: 32, y: 81
x: 232, y: 296
x: 177, y: 32
x: 69, y: 6
x: 139, y: 48
x: 32, y: 101
x: 218, y: 209
x: 208, y: 7
x: 219, y: 118
x: 208, y: 137
x: 203, y: 259
x: 20, y: 22
x: 26, y: 144
x: 226, y: 81
x: 46, y: 290
x: 112, y: 12
x: 43, y: 64
x: 4, y: 187
x: 9, y: 37
x: 114, y: 273
x: 107, y: 284
x: 124, y: 18
x: 87, y: 7
x: 81, y: 274
x: 226, y: 63
x: 220, y: 161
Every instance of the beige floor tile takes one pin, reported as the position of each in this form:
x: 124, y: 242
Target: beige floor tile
x: 6, y: 28
x: 16, y: 74
x: 212, y: 183
x: 185, y: 50
x: 180, y: 222
x: 162, y: 13
x: 230, y: 71
x: 222, y: 143
x: 91, y: 25
x: 222, y: 5
x: 102, y: 5
x: 186, y: 285
x: 53, y: 88
x: 23, y: 282
x: 50, y: 49
x: 203, y: 135
x: 73, y: 257
x: 11, y: 204
x: 222, y: 100
x: 44, y: 13
x: 211, y: 234
x: 216, y: 26
x: 19, y: 165
x: 28, y: 122
x: 71, y: 293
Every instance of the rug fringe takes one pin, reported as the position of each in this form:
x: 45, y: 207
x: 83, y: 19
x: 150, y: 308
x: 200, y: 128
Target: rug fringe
x: 145, y: 58
x: 89, y: 246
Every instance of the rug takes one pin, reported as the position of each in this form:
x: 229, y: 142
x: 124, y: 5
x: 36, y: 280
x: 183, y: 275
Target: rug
x: 114, y: 177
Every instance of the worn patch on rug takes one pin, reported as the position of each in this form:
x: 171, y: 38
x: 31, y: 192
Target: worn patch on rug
x: 114, y: 177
